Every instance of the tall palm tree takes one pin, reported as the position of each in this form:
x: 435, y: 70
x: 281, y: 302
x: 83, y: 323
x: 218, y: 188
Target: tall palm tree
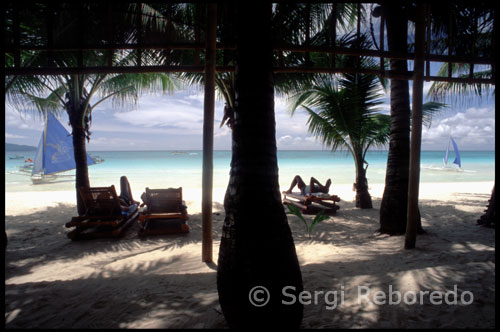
x: 394, y: 205
x: 344, y: 115
x: 257, y: 247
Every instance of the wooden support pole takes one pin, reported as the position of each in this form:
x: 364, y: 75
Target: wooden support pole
x: 416, y: 129
x: 208, y: 135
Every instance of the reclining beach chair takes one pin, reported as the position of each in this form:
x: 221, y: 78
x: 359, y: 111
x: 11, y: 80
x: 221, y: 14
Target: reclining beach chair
x: 103, y: 216
x: 313, y: 202
x: 165, y: 212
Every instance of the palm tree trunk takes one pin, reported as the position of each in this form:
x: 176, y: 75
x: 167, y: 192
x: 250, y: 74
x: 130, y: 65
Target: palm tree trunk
x: 394, y: 205
x: 257, y: 247
x: 363, y: 198
x: 80, y: 153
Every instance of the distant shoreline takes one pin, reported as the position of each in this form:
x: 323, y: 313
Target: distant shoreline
x: 10, y: 147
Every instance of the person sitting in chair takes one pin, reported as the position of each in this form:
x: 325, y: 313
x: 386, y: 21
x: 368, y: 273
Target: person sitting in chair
x: 314, y: 186
x: 126, y: 201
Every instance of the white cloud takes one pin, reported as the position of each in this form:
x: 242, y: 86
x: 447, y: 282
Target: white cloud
x: 473, y: 129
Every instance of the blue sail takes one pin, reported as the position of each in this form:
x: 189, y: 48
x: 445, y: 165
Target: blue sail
x: 57, y: 155
x: 457, y: 160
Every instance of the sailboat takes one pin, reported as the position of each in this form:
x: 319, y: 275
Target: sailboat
x: 457, y: 160
x: 54, y: 154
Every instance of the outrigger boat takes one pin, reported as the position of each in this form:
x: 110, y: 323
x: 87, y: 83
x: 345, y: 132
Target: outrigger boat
x: 54, y: 154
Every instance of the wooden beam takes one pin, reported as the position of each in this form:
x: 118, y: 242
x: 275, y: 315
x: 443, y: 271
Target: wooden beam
x: 416, y: 129
x: 278, y: 47
x: 200, y: 69
x: 208, y: 135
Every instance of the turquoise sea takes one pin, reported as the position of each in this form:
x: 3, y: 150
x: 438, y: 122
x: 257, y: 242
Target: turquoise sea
x: 162, y: 169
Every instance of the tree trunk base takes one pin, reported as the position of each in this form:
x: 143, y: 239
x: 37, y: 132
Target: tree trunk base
x: 364, y: 200
x: 489, y: 216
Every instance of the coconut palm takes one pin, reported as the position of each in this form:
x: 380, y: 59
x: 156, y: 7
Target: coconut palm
x: 257, y: 247
x: 343, y: 115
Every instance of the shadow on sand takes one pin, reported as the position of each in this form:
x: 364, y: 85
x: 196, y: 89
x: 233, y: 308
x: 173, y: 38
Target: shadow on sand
x: 129, y: 282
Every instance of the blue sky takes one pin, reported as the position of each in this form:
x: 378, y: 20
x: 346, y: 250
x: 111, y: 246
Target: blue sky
x: 175, y: 122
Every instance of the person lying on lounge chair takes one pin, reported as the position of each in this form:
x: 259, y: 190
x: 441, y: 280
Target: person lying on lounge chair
x: 314, y: 186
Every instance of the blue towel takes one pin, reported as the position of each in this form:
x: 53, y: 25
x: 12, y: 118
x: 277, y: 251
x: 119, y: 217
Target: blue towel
x: 131, y: 209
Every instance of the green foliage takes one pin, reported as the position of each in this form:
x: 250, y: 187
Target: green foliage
x: 320, y: 216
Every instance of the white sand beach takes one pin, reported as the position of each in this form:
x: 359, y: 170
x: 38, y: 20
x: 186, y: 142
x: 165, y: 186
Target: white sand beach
x: 161, y: 282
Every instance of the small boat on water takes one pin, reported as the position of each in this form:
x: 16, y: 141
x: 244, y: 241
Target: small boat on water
x: 455, y: 166
x: 16, y: 157
x: 457, y: 161
x: 97, y: 159
x: 54, y: 154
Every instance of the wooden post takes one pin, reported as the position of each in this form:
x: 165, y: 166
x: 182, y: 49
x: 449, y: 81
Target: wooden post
x: 416, y: 129
x: 208, y: 136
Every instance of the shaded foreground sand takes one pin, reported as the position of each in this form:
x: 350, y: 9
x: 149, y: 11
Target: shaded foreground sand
x: 160, y: 282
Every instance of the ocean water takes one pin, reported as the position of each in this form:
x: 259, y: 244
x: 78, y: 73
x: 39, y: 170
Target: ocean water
x: 163, y: 169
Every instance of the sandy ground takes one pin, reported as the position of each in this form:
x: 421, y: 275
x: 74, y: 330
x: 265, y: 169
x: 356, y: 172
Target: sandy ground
x: 160, y: 281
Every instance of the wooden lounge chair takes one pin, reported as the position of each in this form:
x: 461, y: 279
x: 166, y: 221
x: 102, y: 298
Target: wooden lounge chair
x: 312, y: 203
x: 165, y: 212
x: 103, y: 216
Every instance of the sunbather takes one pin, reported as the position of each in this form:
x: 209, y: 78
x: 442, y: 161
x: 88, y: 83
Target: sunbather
x: 314, y: 186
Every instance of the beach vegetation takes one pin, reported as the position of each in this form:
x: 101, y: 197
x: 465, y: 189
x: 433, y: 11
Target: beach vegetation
x: 319, y: 217
x: 343, y: 114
